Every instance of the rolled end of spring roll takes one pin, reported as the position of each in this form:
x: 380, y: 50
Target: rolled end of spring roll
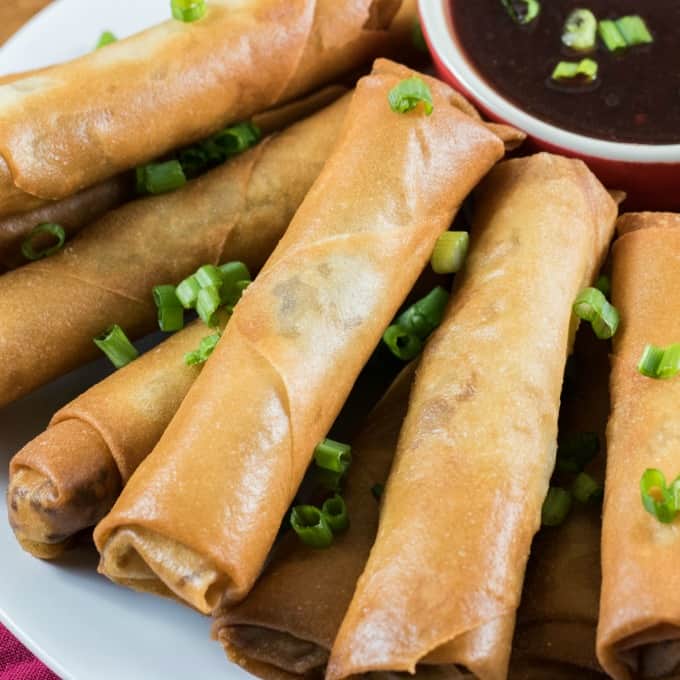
x: 49, y: 498
x: 477, y: 449
x: 235, y: 61
x: 639, y: 627
x: 69, y: 477
x: 289, y: 620
x: 295, y: 345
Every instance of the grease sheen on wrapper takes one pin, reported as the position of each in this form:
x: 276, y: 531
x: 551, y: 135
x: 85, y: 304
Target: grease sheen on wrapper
x: 201, y: 513
x: 477, y: 449
x: 639, y: 629
x: 105, y: 275
x: 172, y: 85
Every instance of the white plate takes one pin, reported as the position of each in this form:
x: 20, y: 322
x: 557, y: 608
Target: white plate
x: 76, y: 621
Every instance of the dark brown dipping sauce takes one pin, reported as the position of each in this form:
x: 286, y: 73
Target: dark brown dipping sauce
x: 637, y: 94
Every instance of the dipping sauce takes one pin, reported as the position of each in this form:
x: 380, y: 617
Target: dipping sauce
x: 636, y: 97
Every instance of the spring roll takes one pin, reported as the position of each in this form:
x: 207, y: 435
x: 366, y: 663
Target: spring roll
x: 105, y: 275
x: 240, y: 58
x: 477, y: 449
x: 71, y: 213
x: 283, y: 623
x: 75, y: 212
x: 68, y: 477
x: 295, y: 345
x: 557, y: 619
x: 639, y: 629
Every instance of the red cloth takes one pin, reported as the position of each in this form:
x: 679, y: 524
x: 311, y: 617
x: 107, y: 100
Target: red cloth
x: 17, y: 663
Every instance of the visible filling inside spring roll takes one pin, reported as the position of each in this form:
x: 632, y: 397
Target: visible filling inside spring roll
x: 45, y: 514
x: 654, y: 653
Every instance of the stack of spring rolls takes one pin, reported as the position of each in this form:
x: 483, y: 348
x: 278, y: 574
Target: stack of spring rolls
x: 235, y: 62
x: 188, y: 472
x: 294, y: 347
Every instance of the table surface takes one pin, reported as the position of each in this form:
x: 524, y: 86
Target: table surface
x: 16, y: 13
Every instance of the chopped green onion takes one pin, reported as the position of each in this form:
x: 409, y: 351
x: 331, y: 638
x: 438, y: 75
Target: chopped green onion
x: 575, y: 451
x: 28, y: 248
x: 610, y: 35
x: 402, y: 343
x: 660, y: 362
x: 208, y: 275
x: 585, y: 488
x: 604, y: 285
x: 580, y: 30
x: 334, y: 511
x: 235, y: 279
x: 406, y: 96
x: 522, y: 11
x: 311, y: 526
x: 556, y: 507
x: 106, y: 38
x: 634, y: 30
x: 328, y: 479
x: 187, y: 292
x: 450, y: 251
x: 187, y: 10
x: 207, y: 304
x: 592, y: 306
x: 417, y: 37
x: 378, y: 490
x: 670, y: 362
x: 170, y: 310
x: 567, y: 70
x: 425, y: 315
x: 237, y: 138
x: 233, y: 272
x: 205, y: 349
x: 657, y: 498
x: 334, y: 456
x: 115, y: 344
x: 217, y: 149
x: 231, y: 295
x: 160, y: 178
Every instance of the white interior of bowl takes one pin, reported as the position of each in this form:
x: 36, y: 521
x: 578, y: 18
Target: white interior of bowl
x: 436, y: 19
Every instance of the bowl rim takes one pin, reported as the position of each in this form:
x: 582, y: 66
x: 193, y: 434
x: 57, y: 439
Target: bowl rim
x: 437, y: 27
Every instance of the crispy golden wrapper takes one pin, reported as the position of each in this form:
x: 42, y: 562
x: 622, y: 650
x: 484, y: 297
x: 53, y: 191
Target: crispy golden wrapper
x: 243, y: 437
x: 51, y: 309
x: 172, y: 85
x: 639, y: 629
x: 477, y: 450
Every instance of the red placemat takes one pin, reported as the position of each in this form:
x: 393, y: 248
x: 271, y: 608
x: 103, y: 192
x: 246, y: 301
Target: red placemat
x: 17, y: 663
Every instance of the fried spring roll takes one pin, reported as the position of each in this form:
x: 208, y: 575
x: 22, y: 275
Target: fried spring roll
x: 105, y: 275
x: 557, y: 619
x: 58, y: 137
x: 68, y: 477
x: 284, y: 623
x: 639, y: 628
x: 244, y: 435
x: 477, y: 449
x: 77, y: 211
x: 71, y: 213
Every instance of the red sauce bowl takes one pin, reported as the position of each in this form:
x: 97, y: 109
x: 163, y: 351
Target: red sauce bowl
x: 648, y: 173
